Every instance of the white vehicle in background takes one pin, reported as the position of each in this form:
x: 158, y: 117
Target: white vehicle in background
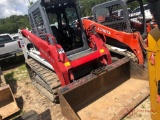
x: 9, y: 47
x: 15, y: 36
x: 119, y: 12
x: 136, y: 12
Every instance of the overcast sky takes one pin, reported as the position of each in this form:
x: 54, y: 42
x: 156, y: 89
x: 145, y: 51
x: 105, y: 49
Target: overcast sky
x: 13, y: 7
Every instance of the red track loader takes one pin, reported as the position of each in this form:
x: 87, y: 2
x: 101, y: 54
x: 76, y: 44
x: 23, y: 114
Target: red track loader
x: 71, y: 62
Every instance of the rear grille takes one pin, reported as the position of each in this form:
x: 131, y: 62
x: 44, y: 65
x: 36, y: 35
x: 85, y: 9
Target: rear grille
x: 113, y: 19
x: 114, y: 14
x: 37, y: 23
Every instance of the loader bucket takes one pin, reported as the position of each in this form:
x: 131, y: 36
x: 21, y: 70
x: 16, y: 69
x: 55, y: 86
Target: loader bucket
x: 108, y: 93
x: 8, y: 105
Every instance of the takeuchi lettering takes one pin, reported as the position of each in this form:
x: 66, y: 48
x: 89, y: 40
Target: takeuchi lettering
x: 104, y: 31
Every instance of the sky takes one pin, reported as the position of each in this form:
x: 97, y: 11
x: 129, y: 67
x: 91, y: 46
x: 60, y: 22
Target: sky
x: 13, y: 7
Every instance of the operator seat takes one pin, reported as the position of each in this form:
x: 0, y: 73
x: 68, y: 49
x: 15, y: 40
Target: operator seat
x: 57, y: 35
x: 102, y: 15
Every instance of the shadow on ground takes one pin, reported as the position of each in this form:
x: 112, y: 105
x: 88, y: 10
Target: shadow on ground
x: 11, y: 63
x: 32, y: 115
x: 11, y: 81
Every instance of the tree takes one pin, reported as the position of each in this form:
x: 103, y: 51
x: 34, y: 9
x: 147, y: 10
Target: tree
x: 13, y: 23
x: 30, y: 2
x: 88, y: 4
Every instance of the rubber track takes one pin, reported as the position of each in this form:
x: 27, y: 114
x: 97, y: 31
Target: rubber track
x: 128, y: 54
x: 49, y: 82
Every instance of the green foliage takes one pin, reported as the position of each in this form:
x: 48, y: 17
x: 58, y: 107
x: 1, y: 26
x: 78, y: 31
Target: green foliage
x: 30, y: 2
x: 17, y: 74
x: 13, y: 23
x: 9, y: 77
x: 88, y: 4
x: 145, y: 1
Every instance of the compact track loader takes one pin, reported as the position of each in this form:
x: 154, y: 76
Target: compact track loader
x: 8, y: 105
x: 70, y: 62
x: 120, y: 28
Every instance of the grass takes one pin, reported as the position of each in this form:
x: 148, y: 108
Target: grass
x: 9, y: 77
x: 22, y: 67
x: 19, y: 73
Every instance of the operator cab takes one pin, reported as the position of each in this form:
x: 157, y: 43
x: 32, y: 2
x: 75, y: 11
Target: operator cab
x: 118, y: 15
x: 59, y: 18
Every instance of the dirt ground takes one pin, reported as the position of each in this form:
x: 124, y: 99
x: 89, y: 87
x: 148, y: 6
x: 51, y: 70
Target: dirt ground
x: 141, y: 112
x: 28, y: 98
